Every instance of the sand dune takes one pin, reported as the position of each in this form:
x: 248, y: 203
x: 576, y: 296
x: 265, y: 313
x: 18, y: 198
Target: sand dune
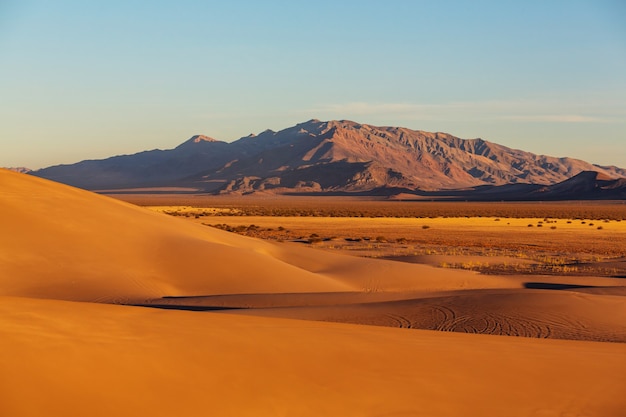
x: 129, y: 361
x: 61, y: 242
x: 62, y: 354
x: 65, y: 243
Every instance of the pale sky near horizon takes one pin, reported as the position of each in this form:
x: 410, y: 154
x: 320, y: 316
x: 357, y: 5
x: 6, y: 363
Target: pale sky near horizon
x: 92, y: 79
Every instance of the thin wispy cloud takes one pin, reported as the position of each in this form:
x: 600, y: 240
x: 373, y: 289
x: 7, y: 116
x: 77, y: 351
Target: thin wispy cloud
x: 558, y: 118
x: 391, y: 110
x: 519, y: 111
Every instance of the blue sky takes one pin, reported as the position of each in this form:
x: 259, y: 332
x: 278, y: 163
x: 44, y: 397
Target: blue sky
x: 86, y: 80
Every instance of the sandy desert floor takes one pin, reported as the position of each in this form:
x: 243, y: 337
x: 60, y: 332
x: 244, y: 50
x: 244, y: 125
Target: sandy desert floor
x: 107, y: 308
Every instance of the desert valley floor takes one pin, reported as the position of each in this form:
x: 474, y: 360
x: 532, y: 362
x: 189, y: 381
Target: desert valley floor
x: 110, y: 308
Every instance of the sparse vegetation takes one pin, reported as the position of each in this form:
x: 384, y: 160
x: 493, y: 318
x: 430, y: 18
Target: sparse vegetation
x: 334, y: 207
x: 524, y: 251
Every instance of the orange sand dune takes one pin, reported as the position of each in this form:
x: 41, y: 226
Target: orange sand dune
x: 61, y: 356
x: 61, y: 242
x: 65, y: 243
x: 81, y: 359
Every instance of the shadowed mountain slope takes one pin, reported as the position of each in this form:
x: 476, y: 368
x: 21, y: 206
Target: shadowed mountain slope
x: 587, y: 185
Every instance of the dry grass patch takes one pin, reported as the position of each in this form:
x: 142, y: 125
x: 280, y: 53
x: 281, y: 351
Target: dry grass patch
x: 563, y: 247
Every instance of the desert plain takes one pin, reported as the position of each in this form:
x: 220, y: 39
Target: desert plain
x: 182, y: 305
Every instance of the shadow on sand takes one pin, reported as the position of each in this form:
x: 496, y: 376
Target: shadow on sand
x: 553, y: 286
x: 185, y: 307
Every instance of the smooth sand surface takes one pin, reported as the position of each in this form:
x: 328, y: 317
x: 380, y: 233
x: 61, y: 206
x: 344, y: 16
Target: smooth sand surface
x: 65, y: 253
x: 77, y: 359
x: 61, y: 242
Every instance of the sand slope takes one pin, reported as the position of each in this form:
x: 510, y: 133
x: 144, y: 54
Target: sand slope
x: 130, y: 361
x: 62, y: 242
x: 60, y: 355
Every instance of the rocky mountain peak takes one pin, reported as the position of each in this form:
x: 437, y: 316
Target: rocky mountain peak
x: 196, y: 140
x: 335, y: 155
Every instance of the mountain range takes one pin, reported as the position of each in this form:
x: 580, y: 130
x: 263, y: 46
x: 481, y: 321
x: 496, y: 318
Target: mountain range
x: 350, y: 158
